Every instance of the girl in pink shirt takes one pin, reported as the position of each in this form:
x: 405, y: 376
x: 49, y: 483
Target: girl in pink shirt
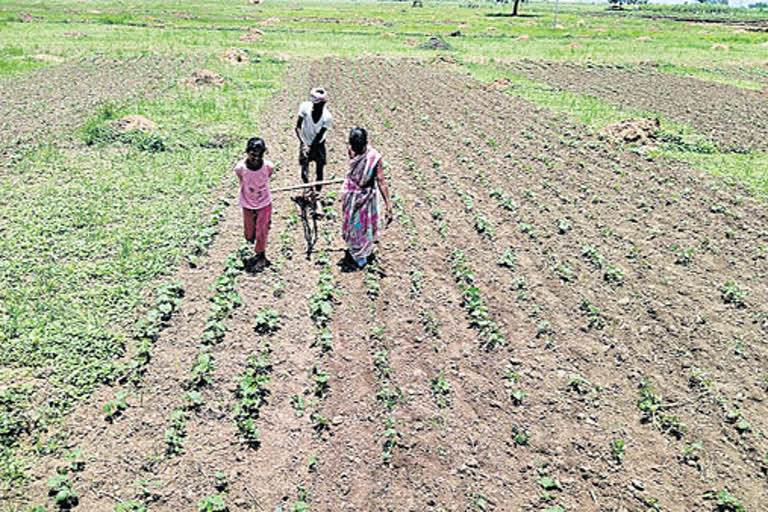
x: 253, y: 173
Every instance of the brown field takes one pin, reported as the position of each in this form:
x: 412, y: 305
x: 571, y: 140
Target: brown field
x: 620, y: 276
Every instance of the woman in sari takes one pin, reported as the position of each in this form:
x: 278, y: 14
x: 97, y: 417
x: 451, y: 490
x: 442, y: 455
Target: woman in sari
x: 359, y: 201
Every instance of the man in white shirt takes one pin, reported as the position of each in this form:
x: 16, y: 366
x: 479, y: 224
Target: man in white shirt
x: 313, y: 121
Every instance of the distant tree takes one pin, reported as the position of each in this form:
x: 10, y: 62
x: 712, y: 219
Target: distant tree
x: 514, y: 9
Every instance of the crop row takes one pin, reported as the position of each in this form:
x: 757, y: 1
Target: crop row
x: 206, y: 232
x: 224, y: 300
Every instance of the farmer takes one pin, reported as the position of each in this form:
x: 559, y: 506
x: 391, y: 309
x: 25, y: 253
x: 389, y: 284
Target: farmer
x: 313, y: 121
x: 359, y: 201
x: 253, y: 173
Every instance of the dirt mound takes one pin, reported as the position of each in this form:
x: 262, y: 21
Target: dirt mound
x: 764, y: 44
x: 388, y: 35
x: 576, y: 46
x: 522, y: 38
x: 254, y: 35
x: 435, y: 43
x: 448, y: 59
x: 643, y: 39
x: 235, y: 56
x: 205, y: 77
x: 530, y: 22
x: 47, y: 58
x: 74, y: 35
x: 499, y: 84
x: 269, y: 21
x: 411, y: 42
x: 653, y: 29
x: 133, y: 123
x: 638, y: 130
x: 720, y: 46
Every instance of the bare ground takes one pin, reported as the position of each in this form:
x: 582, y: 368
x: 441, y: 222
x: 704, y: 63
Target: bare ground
x: 734, y: 117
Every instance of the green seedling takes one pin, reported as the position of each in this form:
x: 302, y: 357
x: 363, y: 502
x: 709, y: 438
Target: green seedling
x: 617, y: 450
x: 267, y: 321
x: 116, y: 406
x: 724, y: 501
x: 220, y: 481
x: 60, y: 488
x: 508, y: 259
x: 684, y: 257
x: 299, y: 404
x: 319, y: 423
x: 389, y: 396
x: 564, y: 226
x: 592, y: 312
x: 592, y: 255
x: 732, y: 293
x: 212, y: 503
x: 324, y: 340
x: 614, y: 275
x: 392, y: 437
x: 441, y: 390
x: 653, y: 407
x: 130, y: 506
x: 521, y: 436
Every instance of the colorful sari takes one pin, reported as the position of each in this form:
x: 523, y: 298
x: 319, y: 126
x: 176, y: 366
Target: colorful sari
x: 359, y: 204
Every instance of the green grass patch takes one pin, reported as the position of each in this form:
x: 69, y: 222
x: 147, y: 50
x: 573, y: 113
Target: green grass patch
x: 87, y: 230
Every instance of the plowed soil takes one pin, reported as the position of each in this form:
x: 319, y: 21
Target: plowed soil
x: 48, y: 101
x: 734, y: 117
x: 441, y: 132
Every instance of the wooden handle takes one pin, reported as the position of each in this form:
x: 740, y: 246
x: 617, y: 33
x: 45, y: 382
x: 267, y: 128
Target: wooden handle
x: 306, y: 185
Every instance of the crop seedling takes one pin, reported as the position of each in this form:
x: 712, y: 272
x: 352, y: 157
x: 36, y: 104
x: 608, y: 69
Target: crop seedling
x: 592, y: 255
x: 592, y: 312
x: 251, y: 393
x: 115, y: 407
x: 302, y: 504
x: 220, y: 481
x: 312, y: 464
x: 684, y: 257
x: 267, y: 321
x: 320, y: 379
x: 565, y: 272
x: 521, y: 436
x: 319, y: 423
x: 324, y: 340
x: 617, y: 450
x: 725, y: 502
x: 564, y: 226
x: 392, y: 437
x: 508, y: 259
x: 60, y: 488
x: 299, y: 404
x: 389, y: 396
x: 429, y: 322
x: 130, y: 506
x: 441, y: 390
x: 614, y: 275
x: 176, y: 432
x: 690, y: 453
x: 201, y: 372
x: 732, y: 293
x: 653, y: 408
x: 212, y: 503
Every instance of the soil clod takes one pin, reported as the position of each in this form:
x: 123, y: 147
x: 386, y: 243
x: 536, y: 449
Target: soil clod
x: 133, y: 123
x: 235, y: 56
x: 637, y: 131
